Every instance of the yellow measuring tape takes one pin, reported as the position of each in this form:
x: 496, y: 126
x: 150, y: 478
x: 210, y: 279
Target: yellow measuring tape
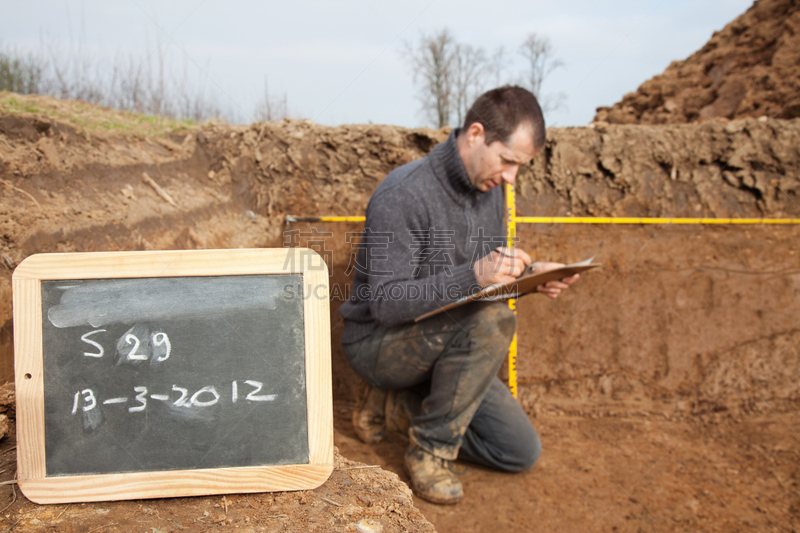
x: 511, y: 231
x: 513, y: 219
x: 511, y: 224
x: 646, y: 220
x: 290, y: 219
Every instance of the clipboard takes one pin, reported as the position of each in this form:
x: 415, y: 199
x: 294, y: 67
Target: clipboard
x: 524, y: 284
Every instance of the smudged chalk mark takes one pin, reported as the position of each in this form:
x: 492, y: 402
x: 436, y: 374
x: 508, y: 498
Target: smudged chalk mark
x: 101, y: 302
x: 114, y: 400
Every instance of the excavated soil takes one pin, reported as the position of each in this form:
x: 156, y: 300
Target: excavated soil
x: 749, y: 69
x: 665, y: 386
x: 356, y: 495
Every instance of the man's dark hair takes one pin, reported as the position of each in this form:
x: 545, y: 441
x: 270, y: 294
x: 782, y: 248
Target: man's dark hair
x: 501, y: 111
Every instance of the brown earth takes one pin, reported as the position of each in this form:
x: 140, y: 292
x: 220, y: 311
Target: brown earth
x: 665, y: 386
x: 749, y: 69
x: 355, y: 495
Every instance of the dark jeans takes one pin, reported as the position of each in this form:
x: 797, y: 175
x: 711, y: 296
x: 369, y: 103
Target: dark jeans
x: 468, y: 412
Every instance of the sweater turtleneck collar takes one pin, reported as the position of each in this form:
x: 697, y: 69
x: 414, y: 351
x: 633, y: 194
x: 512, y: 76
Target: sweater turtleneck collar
x: 449, y: 168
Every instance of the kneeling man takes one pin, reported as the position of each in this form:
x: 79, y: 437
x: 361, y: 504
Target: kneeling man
x: 434, y: 233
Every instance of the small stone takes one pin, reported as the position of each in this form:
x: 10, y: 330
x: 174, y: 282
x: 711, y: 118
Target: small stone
x: 3, y: 426
x: 734, y: 126
x: 730, y: 178
x: 369, y: 526
x: 606, y: 385
x: 671, y: 106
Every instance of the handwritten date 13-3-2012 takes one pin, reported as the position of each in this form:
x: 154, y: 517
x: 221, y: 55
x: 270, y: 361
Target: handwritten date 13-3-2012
x: 86, y: 399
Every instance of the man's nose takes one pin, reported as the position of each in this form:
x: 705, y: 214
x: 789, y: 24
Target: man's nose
x: 510, y: 174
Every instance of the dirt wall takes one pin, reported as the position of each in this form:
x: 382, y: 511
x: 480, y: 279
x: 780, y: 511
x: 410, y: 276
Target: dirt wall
x: 69, y: 189
x: 696, y: 314
x: 704, y: 315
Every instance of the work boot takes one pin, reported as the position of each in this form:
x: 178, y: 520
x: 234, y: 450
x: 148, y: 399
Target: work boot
x: 401, y: 408
x: 369, y: 419
x: 431, y: 477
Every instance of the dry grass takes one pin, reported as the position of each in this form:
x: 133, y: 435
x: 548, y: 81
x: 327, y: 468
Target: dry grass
x: 91, y: 117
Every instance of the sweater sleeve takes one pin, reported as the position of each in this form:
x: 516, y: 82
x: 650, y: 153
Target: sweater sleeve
x: 409, y: 273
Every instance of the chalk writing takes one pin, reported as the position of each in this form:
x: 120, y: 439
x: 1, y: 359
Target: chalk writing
x: 260, y: 398
x: 141, y: 398
x: 203, y: 397
x: 181, y: 402
x: 114, y: 400
x: 160, y: 340
x: 184, y: 373
x: 195, y: 397
x: 132, y: 355
x: 88, y: 397
x: 132, y: 347
x: 96, y: 345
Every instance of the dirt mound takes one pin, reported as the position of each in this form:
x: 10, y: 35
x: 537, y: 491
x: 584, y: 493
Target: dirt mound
x: 749, y: 69
x: 355, y: 494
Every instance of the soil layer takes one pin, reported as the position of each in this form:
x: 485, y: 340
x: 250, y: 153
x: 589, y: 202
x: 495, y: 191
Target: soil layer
x: 626, y: 468
x: 355, y: 495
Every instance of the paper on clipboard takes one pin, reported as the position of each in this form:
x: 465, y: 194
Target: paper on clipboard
x: 524, y: 284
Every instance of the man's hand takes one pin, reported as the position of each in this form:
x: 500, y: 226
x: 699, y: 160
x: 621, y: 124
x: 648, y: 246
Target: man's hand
x: 502, y: 265
x: 553, y: 288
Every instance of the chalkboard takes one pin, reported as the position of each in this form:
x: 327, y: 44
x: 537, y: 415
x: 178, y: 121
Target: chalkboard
x: 129, y: 371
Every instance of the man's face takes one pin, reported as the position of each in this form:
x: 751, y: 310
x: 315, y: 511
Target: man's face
x: 498, y: 163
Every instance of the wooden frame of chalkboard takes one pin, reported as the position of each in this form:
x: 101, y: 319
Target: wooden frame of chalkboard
x: 69, y: 483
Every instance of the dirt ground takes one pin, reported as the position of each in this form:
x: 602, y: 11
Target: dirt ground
x: 356, y: 495
x: 624, y: 469
x: 612, y: 469
x: 751, y: 68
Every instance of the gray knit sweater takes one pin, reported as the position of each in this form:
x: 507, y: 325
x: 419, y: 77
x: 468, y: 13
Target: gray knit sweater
x: 426, y: 226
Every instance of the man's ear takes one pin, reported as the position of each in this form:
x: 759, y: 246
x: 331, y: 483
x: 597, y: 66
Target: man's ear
x: 476, y: 134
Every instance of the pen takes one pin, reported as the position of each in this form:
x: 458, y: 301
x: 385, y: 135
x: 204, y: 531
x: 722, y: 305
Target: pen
x: 527, y: 267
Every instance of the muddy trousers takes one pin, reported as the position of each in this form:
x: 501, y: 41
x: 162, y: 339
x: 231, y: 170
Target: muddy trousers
x: 467, y: 412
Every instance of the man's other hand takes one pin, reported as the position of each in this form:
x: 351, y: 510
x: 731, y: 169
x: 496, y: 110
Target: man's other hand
x: 502, y: 265
x: 553, y: 288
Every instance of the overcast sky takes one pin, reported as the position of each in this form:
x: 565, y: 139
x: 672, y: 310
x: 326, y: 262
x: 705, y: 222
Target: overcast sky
x: 340, y: 62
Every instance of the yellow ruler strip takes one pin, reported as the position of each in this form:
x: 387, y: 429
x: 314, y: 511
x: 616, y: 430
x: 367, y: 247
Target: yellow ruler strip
x: 511, y: 229
x: 343, y: 219
x: 290, y: 219
x: 635, y: 220
x: 590, y: 220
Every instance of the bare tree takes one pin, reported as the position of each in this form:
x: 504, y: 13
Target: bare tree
x: 451, y: 75
x: 132, y: 82
x: 271, y: 108
x: 471, y: 68
x: 499, y: 65
x: 540, y: 63
x: 431, y: 62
